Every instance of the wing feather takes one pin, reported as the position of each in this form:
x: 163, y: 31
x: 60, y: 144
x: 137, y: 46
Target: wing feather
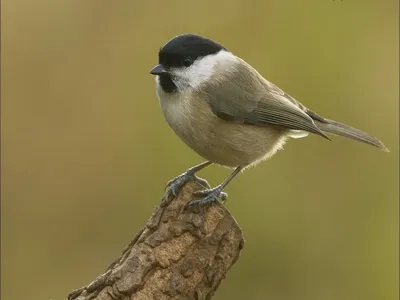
x: 260, y: 104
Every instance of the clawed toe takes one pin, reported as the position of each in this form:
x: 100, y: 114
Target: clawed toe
x: 208, y: 196
x: 211, y: 192
x: 173, y: 186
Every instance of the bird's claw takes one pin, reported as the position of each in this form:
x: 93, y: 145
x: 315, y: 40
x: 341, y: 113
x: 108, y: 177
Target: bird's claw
x: 209, y: 196
x: 173, y: 186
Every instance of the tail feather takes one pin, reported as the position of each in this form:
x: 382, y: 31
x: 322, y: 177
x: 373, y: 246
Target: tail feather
x: 337, y: 128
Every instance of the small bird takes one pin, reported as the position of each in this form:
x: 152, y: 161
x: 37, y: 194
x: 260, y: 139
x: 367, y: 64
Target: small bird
x: 228, y: 113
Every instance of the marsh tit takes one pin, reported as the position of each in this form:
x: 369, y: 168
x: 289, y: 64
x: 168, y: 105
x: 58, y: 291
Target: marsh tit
x: 228, y: 113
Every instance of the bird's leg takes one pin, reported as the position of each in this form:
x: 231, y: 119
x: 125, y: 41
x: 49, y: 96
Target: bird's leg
x: 174, y: 185
x: 212, y: 195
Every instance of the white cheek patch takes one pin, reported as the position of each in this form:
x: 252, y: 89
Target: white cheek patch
x: 202, y: 69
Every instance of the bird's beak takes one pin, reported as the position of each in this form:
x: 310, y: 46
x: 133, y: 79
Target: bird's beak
x: 158, y: 70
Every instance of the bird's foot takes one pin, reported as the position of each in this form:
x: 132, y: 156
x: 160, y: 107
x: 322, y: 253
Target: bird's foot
x: 209, y: 196
x: 173, y: 186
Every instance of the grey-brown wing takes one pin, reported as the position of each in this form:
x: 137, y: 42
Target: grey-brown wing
x: 259, y: 103
x: 309, y: 112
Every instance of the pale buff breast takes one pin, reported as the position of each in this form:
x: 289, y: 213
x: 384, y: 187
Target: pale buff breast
x: 217, y: 140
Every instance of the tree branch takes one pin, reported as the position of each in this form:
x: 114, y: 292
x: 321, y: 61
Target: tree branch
x: 181, y: 253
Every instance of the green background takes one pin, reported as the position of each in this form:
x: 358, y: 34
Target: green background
x: 86, y: 152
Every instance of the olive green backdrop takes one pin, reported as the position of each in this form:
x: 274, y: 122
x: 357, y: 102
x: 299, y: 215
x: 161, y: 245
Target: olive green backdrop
x: 86, y: 152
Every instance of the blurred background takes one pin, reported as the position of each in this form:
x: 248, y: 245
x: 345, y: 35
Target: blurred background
x: 86, y: 152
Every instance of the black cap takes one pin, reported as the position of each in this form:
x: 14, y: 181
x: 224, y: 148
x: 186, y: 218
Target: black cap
x: 184, y: 49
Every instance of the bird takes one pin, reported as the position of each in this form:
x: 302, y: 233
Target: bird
x: 228, y: 113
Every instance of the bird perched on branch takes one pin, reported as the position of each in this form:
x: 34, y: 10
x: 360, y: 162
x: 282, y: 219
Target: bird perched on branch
x: 228, y: 113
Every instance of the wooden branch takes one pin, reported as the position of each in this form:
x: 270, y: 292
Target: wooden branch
x: 181, y: 253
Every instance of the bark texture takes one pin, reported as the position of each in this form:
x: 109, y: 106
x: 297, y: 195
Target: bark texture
x: 181, y: 253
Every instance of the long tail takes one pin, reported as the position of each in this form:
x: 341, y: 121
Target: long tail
x: 337, y: 128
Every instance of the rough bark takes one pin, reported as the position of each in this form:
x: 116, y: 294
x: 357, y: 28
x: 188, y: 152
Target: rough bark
x: 181, y: 253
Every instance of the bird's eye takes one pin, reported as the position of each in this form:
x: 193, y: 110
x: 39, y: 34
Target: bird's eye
x: 187, y: 61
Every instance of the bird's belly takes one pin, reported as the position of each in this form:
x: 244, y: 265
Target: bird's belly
x: 222, y: 142
x: 230, y: 144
